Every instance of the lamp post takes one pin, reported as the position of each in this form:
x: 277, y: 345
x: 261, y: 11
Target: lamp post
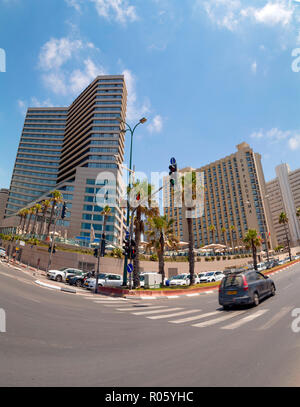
x: 131, y: 130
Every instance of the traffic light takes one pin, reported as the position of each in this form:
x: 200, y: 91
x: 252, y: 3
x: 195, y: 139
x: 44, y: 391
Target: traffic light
x: 173, y: 170
x: 96, y: 252
x: 138, y: 196
x: 126, y: 247
x: 132, y: 250
x: 103, y: 245
x: 63, y: 211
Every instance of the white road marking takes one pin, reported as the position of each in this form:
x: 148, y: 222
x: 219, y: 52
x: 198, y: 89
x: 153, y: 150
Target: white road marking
x: 172, y: 296
x: 175, y: 315
x: 214, y: 321
x: 108, y: 302
x: 276, y: 318
x: 192, y: 295
x: 141, y: 307
x: 246, y: 319
x: 195, y: 317
x: 155, y: 312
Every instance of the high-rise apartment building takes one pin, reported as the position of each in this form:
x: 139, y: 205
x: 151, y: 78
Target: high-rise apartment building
x: 73, y: 150
x: 284, y: 196
x: 3, y: 201
x: 37, y: 163
x: 234, y: 201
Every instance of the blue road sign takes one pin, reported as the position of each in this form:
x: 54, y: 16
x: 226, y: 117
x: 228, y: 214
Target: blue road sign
x: 173, y: 161
x: 129, y: 268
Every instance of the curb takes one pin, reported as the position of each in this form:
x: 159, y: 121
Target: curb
x: 55, y: 287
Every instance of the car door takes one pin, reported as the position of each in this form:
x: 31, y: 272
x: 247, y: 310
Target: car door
x: 261, y: 285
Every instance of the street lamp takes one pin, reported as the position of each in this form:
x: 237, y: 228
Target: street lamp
x: 131, y: 130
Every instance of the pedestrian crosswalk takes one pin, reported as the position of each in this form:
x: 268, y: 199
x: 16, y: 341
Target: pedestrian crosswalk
x: 253, y: 318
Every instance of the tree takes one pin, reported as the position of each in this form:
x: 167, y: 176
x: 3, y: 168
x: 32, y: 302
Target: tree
x: 189, y: 188
x: 223, y: 230
x: 45, y: 206
x: 26, y: 213
x: 30, y: 213
x: 212, y: 229
x: 160, y: 235
x: 56, y: 199
x: 252, y: 241
x: 22, y: 213
x: 283, y: 220
x: 37, y: 209
x: 232, y: 229
x: 298, y: 212
x: 105, y: 213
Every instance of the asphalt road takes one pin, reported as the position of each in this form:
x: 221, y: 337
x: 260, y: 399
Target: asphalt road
x: 60, y: 339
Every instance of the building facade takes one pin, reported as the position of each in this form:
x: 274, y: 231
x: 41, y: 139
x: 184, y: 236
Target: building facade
x: 3, y: 201
x: 234, y: 201
x: 284, y: 196
x: 73, y: 150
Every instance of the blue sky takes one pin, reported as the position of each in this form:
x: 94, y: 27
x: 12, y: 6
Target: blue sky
x: 207, y: 74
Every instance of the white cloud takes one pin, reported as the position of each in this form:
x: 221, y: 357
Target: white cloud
x: 156, y: 124
x: 62, y: 80
x: 118, y: 10
x: 135, y: 109
x: 74, y: 3
x: 231, y: 13
x: 273, y: 13
x: 275, y: 135
x: 254, y: 67
x: 294, y: 142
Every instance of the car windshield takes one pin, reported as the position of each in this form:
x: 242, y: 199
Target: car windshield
x: 101, y: 275
x: 209, y: 274
x: 142, y: 278
x: 63, y: 269
x: 180, y: 277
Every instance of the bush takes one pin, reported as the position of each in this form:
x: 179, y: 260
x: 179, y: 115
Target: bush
x: 218, y: 258
x: 153, y: 257
x: 207, y: 259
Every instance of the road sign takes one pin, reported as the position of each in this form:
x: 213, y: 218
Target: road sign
x: 129, y: 268
x: 173, y: 161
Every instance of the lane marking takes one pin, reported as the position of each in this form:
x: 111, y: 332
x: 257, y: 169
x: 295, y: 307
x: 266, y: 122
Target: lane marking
x: 246, y: 319
x: 192, y: 311
x: 181, y: 321
x: 142, y: 307
x: 192, y: 295
x: 220, y: 319
x: 172, y: 296
x: 155, y: 312
x: 276, y: 318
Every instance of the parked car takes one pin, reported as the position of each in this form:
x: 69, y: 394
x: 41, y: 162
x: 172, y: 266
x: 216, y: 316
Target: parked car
x: 104, y: 280
x: 89, y: 283
x: 62, y: 274
x: 261, y: 266
x: 212, y: 276
x: 2, y: 252
x: 78, y: 280
x: 248, y: 287
x: 180, y: 279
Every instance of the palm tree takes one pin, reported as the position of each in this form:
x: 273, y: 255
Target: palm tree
x: 283, y: 220
x: 105, y: 213
x: 223, y: 230
x: 232, y: 228
x: 212, y: 229
x: 37, y: 209
x: 22, y: 215
x: 30, y: 213
x: 26, y: 213
x: 143, y: 212
x: 56, y: 199
x: 160, y: 234
x: 45, y: 206
x: 189, y: 187
x: 252, y: 241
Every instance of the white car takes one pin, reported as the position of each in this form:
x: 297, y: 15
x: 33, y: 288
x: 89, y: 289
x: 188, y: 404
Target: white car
x: 261, y: 267
x: 104, y: 280
x: 181, y: 279
x: 2, y: 252
x: 142, y: 278
x: 62, y: 274
x: 212, y: 276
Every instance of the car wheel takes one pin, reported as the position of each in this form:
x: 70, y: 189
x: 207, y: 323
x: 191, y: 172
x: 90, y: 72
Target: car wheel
x: 226, y: 307
x: 59, y: 279
x: 78, y: 283
x: 255, y: 299
x: 213, y: 280
x: 273, y: 290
